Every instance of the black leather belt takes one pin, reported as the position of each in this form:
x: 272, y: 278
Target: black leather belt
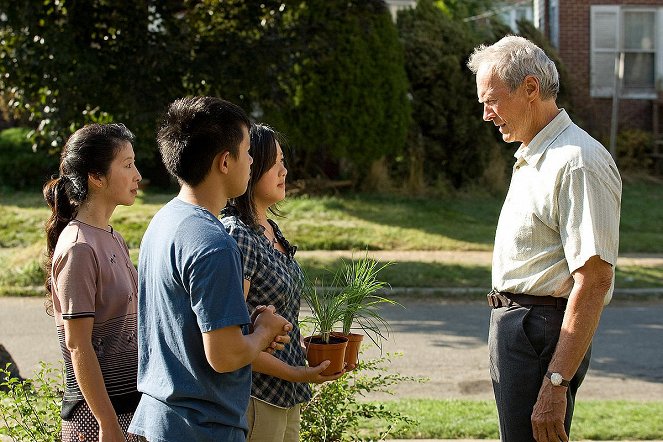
x: 505, y: 299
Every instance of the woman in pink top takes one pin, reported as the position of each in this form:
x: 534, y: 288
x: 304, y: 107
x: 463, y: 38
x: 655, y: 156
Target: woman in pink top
x: 93, y: 284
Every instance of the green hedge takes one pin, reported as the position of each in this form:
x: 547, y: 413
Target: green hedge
x: 20, y: 166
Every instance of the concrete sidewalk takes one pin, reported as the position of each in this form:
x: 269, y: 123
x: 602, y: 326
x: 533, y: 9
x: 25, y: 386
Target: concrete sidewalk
x: 480, y: 258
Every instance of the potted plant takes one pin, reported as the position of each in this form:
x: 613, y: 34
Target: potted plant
x: 360, y: 284
x: 352, y: 301
x: 327, y: 310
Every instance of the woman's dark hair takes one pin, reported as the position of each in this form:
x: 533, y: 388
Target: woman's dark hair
x: 263, y: 141
x: 89, y: 150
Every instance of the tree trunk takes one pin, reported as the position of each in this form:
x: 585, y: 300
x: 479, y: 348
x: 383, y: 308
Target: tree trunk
x: 378, y: 179
x: 416, y: 184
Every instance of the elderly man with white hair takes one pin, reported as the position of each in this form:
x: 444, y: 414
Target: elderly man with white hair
x: 555, y: 246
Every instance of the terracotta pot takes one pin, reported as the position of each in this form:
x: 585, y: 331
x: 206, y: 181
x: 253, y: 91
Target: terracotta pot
x: 352, y: 350
x: 317, y: 352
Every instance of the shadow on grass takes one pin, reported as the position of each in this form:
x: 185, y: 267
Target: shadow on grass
x: 464, y: 218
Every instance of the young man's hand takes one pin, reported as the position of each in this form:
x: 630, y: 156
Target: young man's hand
x: 274, y: 325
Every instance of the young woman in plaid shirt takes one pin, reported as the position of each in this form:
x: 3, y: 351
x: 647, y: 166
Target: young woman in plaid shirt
x: 271, y: 275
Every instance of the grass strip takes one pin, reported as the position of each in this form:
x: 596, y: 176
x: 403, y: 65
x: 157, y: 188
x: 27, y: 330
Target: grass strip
x: 457, y: 419
x: 440, y: 274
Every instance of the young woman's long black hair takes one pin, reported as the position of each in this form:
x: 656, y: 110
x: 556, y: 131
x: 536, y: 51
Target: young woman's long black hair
x: 263, y: 141
x: 89, y: 150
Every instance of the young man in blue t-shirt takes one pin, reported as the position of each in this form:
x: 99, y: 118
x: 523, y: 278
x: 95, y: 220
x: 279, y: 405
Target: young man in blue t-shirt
x: 195, y: 348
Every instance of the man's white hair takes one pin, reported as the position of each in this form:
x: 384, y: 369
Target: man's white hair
x: 512, y: 59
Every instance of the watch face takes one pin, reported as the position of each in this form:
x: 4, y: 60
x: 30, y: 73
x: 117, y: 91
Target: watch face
x: 556, y: 379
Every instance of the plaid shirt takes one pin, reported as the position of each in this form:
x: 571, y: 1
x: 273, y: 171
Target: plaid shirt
x: 273, y: 277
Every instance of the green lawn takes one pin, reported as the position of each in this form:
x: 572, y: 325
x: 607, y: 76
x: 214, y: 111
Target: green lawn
x: 322, y: 223
x: 462, y: 222
x: 392, y: 222
x: 642, y: 218
x: 376, y: 222
x: 593, y: 420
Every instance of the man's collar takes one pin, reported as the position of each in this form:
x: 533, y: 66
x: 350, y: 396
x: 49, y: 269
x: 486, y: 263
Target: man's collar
x: 532, y: 153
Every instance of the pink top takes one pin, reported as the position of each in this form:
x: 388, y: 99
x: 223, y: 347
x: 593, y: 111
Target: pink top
x: 93, y: 277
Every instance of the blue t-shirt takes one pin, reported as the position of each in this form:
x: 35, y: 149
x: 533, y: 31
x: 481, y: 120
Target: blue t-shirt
x: 189, y: 282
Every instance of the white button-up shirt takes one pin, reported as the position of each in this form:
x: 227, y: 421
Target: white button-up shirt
x: 562, y: 208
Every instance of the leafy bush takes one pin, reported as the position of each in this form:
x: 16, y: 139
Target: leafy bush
x: 634, y: 150
x: 20, y: 166
x: 30, y: 409
x: 335, y: 412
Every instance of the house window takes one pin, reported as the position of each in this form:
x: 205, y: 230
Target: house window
x: 631, y: 31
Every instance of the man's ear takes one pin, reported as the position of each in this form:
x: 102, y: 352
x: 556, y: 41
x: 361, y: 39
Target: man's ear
x: 532, y: 87
x: 223, y: 159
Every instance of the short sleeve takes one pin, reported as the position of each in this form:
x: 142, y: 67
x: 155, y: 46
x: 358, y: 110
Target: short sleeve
x: 75, y: 276
x: 217, y: 294
x: 246, y: 242
x: 589, y: 209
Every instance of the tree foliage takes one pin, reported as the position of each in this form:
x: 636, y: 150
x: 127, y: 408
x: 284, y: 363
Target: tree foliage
x: 447, y: 117
x: 328, y: 73
x: 347, y: 88
x: 65, y: 64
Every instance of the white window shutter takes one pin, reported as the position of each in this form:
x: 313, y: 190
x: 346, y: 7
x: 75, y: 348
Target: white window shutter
x: 605, y: 44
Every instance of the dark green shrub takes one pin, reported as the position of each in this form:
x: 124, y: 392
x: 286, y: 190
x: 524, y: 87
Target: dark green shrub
x: 65, y: 64
x: 20, y: 166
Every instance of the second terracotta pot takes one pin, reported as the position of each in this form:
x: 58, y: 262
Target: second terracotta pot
x: 352, y: 350
x: 317, y: 352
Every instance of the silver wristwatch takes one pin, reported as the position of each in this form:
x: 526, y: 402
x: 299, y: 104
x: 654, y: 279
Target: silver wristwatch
x: 556, y: 379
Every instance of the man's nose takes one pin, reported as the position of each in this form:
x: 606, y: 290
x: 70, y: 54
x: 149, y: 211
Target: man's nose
x: 488, y: 113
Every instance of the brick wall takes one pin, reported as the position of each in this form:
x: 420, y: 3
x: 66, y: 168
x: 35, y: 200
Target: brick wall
x: 574, y: 50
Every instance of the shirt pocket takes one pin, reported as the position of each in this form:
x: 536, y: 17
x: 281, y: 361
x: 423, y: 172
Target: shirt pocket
x: 514, y: 237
